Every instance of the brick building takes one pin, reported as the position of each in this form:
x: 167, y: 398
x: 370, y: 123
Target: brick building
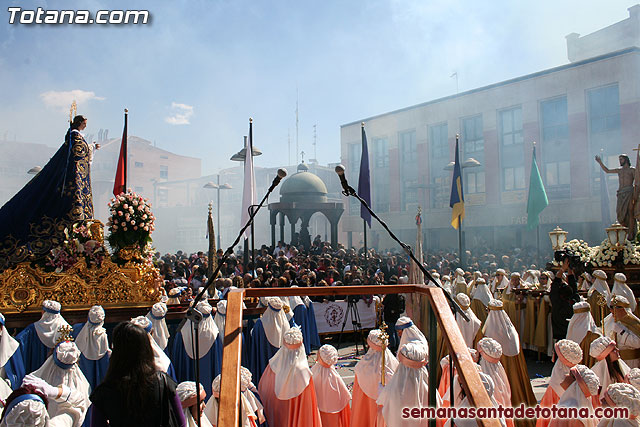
x: 573, y: 111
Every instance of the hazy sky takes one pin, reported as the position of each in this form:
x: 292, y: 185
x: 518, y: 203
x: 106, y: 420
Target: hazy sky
x: 193, y: 76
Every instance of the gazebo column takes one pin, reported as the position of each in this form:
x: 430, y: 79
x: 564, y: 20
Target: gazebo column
x: 305, y: 238
x: 293, y: 230
x: 334, y: 233
x: 281, y: 227
x: 272, y: 220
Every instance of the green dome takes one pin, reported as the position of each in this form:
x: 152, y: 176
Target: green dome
x: 303, y: 186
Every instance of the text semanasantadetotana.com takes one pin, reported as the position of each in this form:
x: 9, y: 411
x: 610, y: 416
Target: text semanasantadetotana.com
x: 520, y: 412
x: 18, y: 15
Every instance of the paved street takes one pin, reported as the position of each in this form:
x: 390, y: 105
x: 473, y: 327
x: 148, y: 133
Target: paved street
x: 539, y: 372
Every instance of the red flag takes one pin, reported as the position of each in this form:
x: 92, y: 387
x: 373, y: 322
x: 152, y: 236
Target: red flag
x: 120, y: 184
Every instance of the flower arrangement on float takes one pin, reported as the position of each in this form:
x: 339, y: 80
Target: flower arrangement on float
x: 130, y: 223
x: 577, y: 247
x: 80, y: 242
x: 605, y: 254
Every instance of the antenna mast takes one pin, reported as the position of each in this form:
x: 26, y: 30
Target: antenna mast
x: 315, y: 142
x: 297, y: 140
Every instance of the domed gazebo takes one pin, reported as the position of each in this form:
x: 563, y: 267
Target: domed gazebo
x: 302, y: 195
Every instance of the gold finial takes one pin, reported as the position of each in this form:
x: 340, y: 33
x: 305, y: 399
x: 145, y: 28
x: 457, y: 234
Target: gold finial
x: 126, y: 111
x: 250, y: 120
x: 534, y: 143
x: 210, y: 207
x: 362, y: 124
x: 384, y: 338
x: 64, y: 334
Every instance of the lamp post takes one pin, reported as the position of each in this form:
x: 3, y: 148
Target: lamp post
x: 469, y: 163
x: 241, y: 156
x: 218, y: 187
x: 253, y: 243
x: 617, y: 235
x: 558, y: 236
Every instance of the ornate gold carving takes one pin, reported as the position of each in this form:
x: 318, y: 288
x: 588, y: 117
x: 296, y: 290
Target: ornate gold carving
x: 25, y: 286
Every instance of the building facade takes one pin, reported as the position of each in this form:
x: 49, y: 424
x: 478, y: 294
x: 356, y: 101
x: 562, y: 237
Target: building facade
x: 587, y: 107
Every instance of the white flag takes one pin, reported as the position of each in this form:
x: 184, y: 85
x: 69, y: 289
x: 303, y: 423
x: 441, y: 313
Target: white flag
x: 249, y: 189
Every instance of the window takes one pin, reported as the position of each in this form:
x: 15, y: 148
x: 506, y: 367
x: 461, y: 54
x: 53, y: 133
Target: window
x: 512, y: 149
x: 511, y: 121
x: 409, y: 169
x: 439, y: 141
x: 439, y: 157
x: 605, y: 135
x: 139, y: 164
x: 475, y: 182
x: 354, y: 153
x: 381, y: 150
x: 164, y: 172
x: 554, y: 162
x: 513, y: 178
x: 472, y: 135
x: 163, y: 196
x: 557, y: 173
x: 473, y: 147
x: 604, y: 109
x: 380, y: 175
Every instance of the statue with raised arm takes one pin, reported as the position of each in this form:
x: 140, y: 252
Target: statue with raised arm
x: 624, y: 195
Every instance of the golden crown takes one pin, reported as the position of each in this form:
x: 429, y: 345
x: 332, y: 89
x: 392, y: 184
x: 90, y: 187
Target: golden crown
x: 64, y: 334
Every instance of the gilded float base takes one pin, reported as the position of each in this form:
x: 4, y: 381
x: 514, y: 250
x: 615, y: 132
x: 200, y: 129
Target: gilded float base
x: 25, y: 287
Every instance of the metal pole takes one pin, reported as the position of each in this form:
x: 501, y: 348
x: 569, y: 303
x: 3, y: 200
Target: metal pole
x: 538, y: 242
x: 433, y: 360
x: 460, y: 242
x: 253, y: 249
x: 219, y: 226
x: 364, y: 223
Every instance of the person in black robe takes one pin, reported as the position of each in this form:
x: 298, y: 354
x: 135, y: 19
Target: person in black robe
x: 563, y: 295
x: 34, y: 221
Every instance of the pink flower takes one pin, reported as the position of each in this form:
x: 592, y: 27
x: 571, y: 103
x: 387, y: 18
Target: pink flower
x: 126, y: 206
x: 120, y: 213
x: 125, y: 229
x: 135, y: 228
x: 146, y: 228
x: 123, y: 223
x: 133, y: 222
x: 144, y: 216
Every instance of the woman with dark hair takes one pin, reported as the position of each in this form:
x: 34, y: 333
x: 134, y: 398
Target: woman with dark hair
x: 133, y: 392
x: 33, y: 221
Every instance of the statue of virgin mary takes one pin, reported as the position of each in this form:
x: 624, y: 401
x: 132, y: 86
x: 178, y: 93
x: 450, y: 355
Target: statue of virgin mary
x: 33, y: 221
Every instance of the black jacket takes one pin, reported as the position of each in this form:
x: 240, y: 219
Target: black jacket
x: 562, y: 297
x: 393, y: 308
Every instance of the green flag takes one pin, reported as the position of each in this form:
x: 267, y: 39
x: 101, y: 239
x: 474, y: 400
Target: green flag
x: 537, y: 199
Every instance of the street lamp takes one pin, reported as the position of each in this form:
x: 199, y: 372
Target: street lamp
x: 242, y: 154
x: 469, y: 163
x: 218, y: 187
x: 617, y: 235
x: 558, y: 236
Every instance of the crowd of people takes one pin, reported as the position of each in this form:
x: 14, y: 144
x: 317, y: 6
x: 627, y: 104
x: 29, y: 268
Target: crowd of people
x: 142, y: 374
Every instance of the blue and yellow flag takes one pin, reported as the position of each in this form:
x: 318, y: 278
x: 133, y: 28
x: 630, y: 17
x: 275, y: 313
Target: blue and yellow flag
x: 364, y: 180
x: 457, y: 195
